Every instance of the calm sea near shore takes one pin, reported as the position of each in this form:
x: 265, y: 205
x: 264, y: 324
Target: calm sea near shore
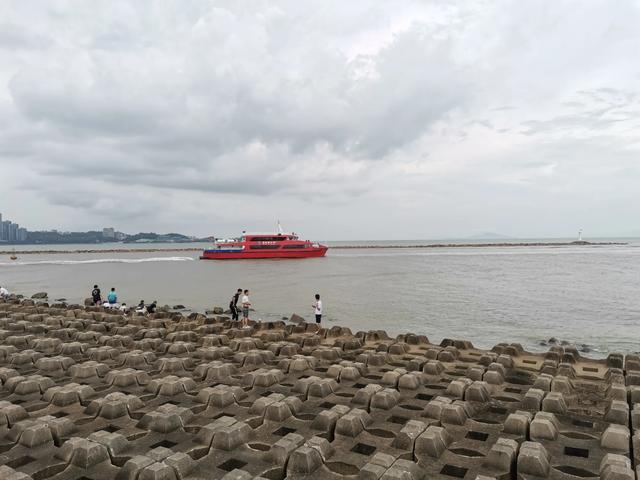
x: 584, y: 294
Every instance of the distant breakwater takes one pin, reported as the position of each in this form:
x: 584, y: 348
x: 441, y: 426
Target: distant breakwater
x: 337, y: 247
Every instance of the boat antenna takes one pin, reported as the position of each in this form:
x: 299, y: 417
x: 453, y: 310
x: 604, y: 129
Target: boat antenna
x: 280, y: 232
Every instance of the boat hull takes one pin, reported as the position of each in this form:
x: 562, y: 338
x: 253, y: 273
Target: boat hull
x: 256, y: 254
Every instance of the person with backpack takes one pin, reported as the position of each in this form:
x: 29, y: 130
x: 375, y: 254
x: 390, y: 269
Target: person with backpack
x: 233, y: 306
x: 95, y: 295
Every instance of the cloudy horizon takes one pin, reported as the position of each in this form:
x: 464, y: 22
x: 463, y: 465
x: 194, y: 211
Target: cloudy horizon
x: 356, y: 120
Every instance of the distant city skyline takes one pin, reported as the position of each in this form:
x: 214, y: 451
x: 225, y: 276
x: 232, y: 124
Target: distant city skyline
x: 345, y: 120
x: 114, y: 234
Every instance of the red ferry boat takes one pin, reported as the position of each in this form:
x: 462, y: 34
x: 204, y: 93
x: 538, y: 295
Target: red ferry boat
x: 272, y: 245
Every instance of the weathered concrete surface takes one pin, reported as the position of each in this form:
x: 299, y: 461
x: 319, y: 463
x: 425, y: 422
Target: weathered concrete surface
x: 85, y: 394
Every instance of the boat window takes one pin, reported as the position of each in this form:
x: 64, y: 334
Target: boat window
x: 267, y: 239
x: 264, y: 247
x: 288, y: 247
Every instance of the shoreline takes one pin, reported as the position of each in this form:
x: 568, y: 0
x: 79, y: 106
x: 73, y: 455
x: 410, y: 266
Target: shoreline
x: 297, y: 400
x: 338, y: 247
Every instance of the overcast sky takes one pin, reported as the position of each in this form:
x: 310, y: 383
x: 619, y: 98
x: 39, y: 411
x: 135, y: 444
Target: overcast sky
x: 343, y: 119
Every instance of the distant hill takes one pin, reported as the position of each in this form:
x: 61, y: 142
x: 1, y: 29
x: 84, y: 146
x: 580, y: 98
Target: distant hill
x: 55, y: 237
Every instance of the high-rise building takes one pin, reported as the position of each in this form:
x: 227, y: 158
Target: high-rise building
x: 11, y: 232
x: 22, y: 235
x: 6, y: 231
x: 108, y: 233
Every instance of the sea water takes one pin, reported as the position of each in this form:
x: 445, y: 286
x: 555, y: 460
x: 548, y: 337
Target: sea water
x: 587, y: 295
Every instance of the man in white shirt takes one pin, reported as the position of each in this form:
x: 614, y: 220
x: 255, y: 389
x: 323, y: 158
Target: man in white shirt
x: 246, y: 305
x: 4, y: 292
x: 317, y: 308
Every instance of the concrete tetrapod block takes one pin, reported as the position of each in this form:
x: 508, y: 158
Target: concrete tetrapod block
x: 385, y: 399
x: 322, y: 445
x: 304, y: 460
x: 30, y: 433
x: 634, y: 395
x: 353, y: 423
x: 237, y: 474
x: 232, y: 436
x: 518, y: 423
x: 403, y: 470
x: 554, y: 402
x: 433, y: 367
x: 157, y: 471
x: 477, y: 392
x: 8, y: 473
x: 615, y: 437
x: 561, y: 384
x: 82, y: 452
x: 618, y: 392
x: 617, y: 412
x: 433, y: 441
x: 277, y: 412
x: 114, y: 442
x: 616, y: 467
x: 493, y: 377
x: 406, y: 438
x: 543, y: 382
x: 502, y: 456
x: 366, y: 393
x: 376, y: 467
x: 284, y: 447
x: 326, y: 420
x: 371, y: 471
x: 206, y: 433
x: 475, y: 373
x: 533, y: 459
x: 544, y: 426
x: 457, y: 387
x: 410, y: 381
x: 454, y: 413
x: 434, y: 408
x: 533, y: 399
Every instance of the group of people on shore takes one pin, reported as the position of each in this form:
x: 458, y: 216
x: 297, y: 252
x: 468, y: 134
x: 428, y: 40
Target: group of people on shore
x: 241, y: 296
x: 112, y: 302
x: 245, y: 305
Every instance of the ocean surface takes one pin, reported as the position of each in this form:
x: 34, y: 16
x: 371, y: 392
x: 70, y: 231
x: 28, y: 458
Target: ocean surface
x: 587, y: 295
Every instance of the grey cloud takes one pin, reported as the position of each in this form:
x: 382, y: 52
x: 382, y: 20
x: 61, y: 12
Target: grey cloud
x: 21, y: 37
x: 419, y: 110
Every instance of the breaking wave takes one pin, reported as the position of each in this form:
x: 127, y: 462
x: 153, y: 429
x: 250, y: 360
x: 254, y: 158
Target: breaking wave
x: 100, y: 260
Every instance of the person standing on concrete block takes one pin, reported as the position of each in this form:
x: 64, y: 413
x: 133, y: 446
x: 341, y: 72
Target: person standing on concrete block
x: 246, y: 305
x: 233, y: 306
x: 317, y: 308
x: 95, y: 295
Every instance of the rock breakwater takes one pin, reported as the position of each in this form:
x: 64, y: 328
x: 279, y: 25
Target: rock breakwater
x: 333, y: 247
x: 87, y: 394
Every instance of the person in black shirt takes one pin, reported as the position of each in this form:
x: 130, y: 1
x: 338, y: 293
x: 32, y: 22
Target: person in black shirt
x: 233, y: 306
x: 152, y: 308
x: 95, y: 295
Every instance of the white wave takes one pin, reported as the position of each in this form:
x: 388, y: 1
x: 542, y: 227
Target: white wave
x: 100, y: 260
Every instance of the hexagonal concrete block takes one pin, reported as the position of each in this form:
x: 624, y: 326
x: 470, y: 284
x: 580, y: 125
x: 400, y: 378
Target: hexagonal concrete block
x: 433, y: 441
x: 533, y: 459
x: 615, y: 437
x: 544, y: 426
